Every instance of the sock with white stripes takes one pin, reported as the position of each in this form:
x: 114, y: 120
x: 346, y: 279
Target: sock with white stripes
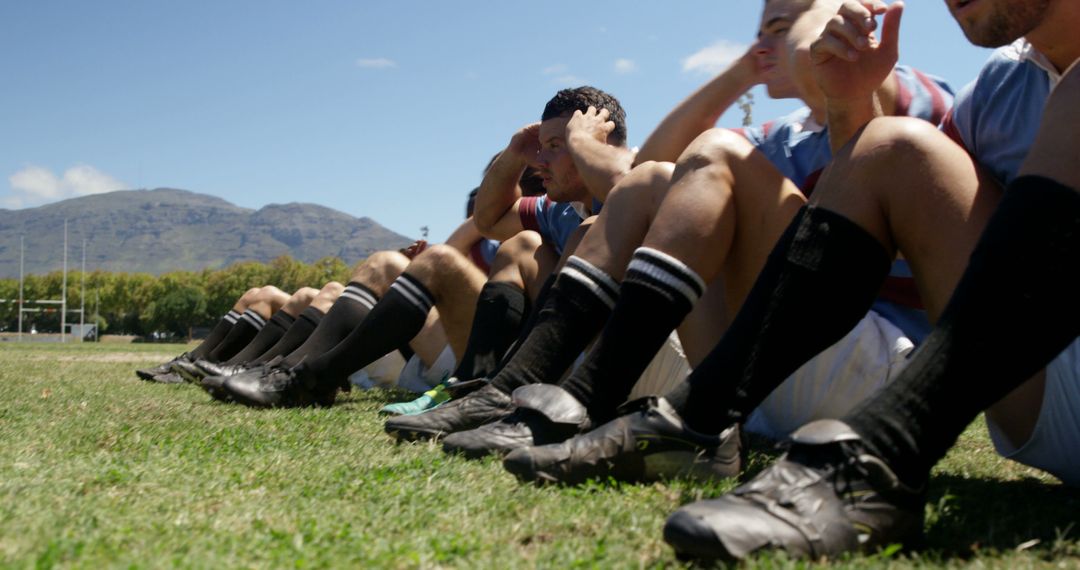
x: 217, y: 334
x: 247, y: 326
x: 275, y: 328
x: 819, y: 280
x: 500, y: 310
x: 576, y: 308
x: 395, y: 320
x: 348, y: 311
x: 301, y: 329
x: 656, y: 295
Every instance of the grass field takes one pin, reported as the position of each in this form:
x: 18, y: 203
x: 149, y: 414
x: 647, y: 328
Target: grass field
x: 99, y: 469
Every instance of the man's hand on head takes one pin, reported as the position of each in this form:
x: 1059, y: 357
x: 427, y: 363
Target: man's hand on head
x: 525, y: 144
x: 850, y: 61
x: 592, y: 124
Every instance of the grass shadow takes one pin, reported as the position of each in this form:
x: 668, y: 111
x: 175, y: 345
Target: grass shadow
x: 967, y: 515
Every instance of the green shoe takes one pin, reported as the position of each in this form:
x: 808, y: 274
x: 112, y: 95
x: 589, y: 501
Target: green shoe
x: 433, y: 398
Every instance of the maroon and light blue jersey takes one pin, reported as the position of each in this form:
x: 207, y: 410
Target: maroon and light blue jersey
x: 997, y: 116
x: 554, y: 221
x: 799, y: 148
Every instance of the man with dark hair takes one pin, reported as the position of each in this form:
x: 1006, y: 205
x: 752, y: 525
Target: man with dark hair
x: 859, y: 483
x: 579, y: 150
x: 443, y: 277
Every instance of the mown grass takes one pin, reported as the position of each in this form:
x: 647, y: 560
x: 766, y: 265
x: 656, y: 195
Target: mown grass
x: 98, y: 469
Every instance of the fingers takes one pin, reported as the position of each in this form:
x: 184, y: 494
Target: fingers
x: 851, y: 30
x: 890, y: 28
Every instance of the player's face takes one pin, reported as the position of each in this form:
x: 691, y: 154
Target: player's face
x: 994, y: 23
x: 794, y: 25
x: 556, y: 166
x: 771, y: 48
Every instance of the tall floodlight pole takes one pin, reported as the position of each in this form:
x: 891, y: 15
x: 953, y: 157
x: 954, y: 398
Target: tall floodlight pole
x: 22, y: 254
x: 82, y: 296
x: 63, y: 290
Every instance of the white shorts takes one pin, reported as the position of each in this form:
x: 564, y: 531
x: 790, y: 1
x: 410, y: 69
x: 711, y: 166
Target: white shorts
x: 1054, y: 445
x: 668, y: 368
x: 833, y: 382
x: 419, y: 378
x: 394, y: 371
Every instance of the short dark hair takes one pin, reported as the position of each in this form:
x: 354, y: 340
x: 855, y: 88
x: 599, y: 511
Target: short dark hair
x: 565, y: 102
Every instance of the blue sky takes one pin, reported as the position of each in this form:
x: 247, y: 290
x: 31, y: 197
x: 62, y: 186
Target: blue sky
x: 376, y: 108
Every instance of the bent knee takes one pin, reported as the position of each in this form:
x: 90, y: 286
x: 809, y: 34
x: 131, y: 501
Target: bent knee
x: 715, y: 147
x: 641, y: 185
x: 440, y: 256
x: 304, y: 294
x: 524, y: 243
x: 381, y: 262
x: 903, y: 135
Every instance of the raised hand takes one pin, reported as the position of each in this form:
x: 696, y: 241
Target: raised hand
x: 525, y: 143
x: 414, y: 249
x: 849, y: 61
x: 591, y: 124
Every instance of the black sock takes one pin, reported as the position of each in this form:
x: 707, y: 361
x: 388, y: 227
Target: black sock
x: 247, y: 326
x: 397, y: 318
x: 530, y: 322
x: 344, y: 315
x: 1013, y: 311
x: 575, y: 310
x: 217, y: 334
x: 656, y: 295
x: 820, y: 279
x: 500, y: 310
x: 298, y: 332
x: 269, y: 335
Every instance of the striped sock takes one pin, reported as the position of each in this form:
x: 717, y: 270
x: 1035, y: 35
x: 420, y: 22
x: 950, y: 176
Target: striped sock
x: 300, y: 330
x: 275, y: 328
x: 217, y: 334
x: 575, y: 310
x: 656, y: 295
x: 350, y: 309
x: 247, y: 326
x: 394, y: 321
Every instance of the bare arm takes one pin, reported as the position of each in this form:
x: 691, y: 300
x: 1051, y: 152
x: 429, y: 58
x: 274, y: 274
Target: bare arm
x: 495, y: 213
x: 464, y: 236
x: 600, y: 164
x: 700, y: 111
x: 853, y: 68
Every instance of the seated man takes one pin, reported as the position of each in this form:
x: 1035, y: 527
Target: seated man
x: 581, y: 174
x: 709, y: 219
x: 859, y: 483
x: 442, y: 277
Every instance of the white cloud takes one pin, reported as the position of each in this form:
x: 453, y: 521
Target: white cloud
x: 569, y: 81
x: 625, y: 66
x: 376, y: 63
x: 714, y: 58
x: 553, y: 69
x: 34, y: 185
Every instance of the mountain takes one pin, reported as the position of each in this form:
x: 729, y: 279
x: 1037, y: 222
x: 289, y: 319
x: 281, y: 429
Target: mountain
x: 157, y: 231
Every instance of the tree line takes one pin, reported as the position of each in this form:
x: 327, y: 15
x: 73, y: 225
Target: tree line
x: 171, y: 303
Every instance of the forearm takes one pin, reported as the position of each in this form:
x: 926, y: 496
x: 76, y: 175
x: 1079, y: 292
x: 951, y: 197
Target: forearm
x: 600, y: 165
x: 499, y: 191
x: 464, y: 236
x: 845, y: 118
x: 697, y: 113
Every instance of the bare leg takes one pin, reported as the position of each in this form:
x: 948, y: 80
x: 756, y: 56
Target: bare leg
x: 455, y: 284
x: 327, y: 295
